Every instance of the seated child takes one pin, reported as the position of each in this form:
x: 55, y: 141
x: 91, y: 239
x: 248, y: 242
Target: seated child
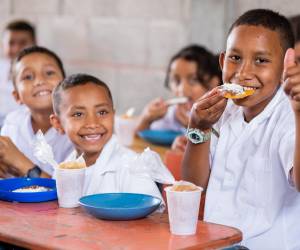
x: 17, y: 35
x: 36, y: 71
x: 191, y: 72
x: 83, y: 108
x: 250, y: 171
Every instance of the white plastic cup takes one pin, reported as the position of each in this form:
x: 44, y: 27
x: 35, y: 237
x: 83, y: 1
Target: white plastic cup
x: 69, y: 185
x: 125, y: 129
x: 183, y: 210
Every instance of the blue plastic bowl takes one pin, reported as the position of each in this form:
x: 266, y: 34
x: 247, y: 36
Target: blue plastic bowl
x: 8, y: 185
x: 160, y: 137
x: 120, y: 206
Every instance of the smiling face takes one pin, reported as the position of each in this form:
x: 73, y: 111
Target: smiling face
x: 36, y: 75
x: 253, y: 58
x: 184, y: 80
x: 87, y: 117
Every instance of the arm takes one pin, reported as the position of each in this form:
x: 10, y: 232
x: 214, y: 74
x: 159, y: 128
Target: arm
x: 155, y: 110
x: 291, y: 85
x: 14, y: 161
x: 205, y: 112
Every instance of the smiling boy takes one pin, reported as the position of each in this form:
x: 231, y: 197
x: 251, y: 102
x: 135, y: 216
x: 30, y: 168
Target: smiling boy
x: 84, y: 110
x: 250, y: 170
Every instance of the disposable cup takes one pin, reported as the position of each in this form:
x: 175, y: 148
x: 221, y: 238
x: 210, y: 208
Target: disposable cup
x: 183, y: 210
x: 69, y: 184
x: 125, y: 129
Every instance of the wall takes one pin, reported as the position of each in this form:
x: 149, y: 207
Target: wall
x: 128, y: 43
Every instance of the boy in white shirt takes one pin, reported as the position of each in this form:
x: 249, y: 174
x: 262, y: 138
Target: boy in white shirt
x: 17, y: 35
x: 84, y: 110
x: 36, y: 71
x: 250, y: 171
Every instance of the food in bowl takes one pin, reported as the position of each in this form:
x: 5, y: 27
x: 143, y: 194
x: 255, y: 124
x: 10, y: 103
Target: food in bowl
x: 32, y: 189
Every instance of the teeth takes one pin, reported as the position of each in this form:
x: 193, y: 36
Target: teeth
x: 43, y: 93
x: 93, y: 137
x: 248, y: 88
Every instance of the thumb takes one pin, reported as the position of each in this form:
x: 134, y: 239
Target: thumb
x: 289, y: 59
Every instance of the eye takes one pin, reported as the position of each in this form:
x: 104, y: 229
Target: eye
x: 261, y: 60
x: 234, y: 58
x: 50, y: 72
x: 175, y: 81
x: 102, y: 112
x: 77, y: 114
x: 27, y: 77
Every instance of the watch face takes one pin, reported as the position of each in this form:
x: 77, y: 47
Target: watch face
x: 195, y: 136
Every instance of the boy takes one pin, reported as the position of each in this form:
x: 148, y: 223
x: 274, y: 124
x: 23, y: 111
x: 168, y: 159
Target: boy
x: 35, y: 73
x: 17, y: 35
x: 249, y: 171
x: 84, y: 110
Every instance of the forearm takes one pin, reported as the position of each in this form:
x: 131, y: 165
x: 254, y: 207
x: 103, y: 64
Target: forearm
x: 296, y: 165
x: 195, y: 165
x: 143, y: 123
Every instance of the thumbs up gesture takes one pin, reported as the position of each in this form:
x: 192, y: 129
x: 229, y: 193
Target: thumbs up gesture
x: 291, y: 79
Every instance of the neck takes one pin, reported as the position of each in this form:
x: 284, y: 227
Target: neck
x: 252, y: 112
x: 41, y: 120
x: 90, y: 158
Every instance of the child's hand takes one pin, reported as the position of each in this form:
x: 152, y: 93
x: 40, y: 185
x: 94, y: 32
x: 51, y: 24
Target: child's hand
x: 207, y: 110
x: 181, y: 114
x: 179, y: 143
x: 155, y: 110
x: 291, y: 79
x: 11, y: 156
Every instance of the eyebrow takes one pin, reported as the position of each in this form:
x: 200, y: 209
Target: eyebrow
x: 96, y: 106
x: 259, y: 52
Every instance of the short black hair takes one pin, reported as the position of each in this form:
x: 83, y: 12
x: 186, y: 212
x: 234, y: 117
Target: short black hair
x: 31, y: 50
x: 21, y: 25
x: 73, y: 81
x: 270, y: 20
x: 207, y: 63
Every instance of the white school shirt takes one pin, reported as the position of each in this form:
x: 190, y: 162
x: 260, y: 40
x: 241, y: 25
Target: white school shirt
x: 249, y: 186
x: 18, y: 127
x: 7, y: 101
x: 168, y: 122
x: 111, y: 173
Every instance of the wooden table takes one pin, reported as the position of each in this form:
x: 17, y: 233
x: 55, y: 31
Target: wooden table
x: 139, y: 145
x: 45, y: 226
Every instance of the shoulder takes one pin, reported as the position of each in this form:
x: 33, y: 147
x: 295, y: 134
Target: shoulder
x: 17, y: 116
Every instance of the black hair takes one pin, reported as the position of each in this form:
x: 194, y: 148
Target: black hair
x: 21, y: 25
x: 31, y: 50
x: 270, y: 20
x: 207, y: 63
x: 73, y: 81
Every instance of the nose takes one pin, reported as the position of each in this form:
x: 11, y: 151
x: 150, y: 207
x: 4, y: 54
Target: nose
x: 244, y: 71
x: 92, y: 121
x: 183, y: 88
x: 40, y: 80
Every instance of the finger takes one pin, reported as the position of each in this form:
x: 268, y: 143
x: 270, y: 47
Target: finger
x: 208, y: 102
x: 290, y: 83
x: 289, y: 59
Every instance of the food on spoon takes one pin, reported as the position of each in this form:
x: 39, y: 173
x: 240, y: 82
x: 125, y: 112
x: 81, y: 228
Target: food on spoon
x: 177, y: 100
x: 235, y: 91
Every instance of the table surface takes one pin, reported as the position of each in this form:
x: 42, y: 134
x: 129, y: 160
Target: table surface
x: 46, y: 226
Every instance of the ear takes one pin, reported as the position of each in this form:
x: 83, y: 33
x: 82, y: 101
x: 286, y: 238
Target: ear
x: 17, y: 97
x: 221, y: 59
x: 55, y: 122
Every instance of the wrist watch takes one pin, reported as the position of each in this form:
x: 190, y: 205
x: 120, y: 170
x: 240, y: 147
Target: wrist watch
x: 197, y: 136
x: 34, y: 172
